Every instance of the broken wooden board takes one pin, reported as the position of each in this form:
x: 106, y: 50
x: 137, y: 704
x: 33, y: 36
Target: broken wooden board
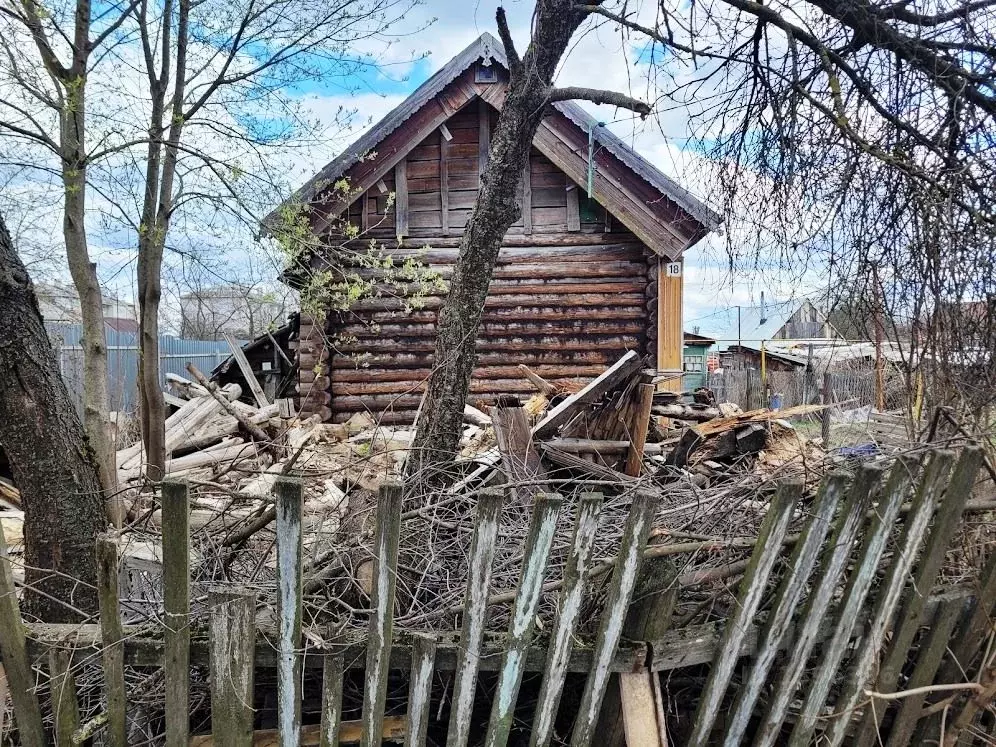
x: 519, y: 459
x: 247, y: 373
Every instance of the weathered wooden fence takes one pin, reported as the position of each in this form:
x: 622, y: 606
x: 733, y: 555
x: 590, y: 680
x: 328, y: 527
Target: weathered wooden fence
x: 818, y: 642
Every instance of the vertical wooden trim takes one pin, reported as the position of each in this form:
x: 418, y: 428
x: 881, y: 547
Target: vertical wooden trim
x: 365, y: 212
x: 65, y: 706
x: 483, y: 135
x: 176, y: 608
x: 232, y: 649
x: 401, y: 198
x: 112, y: 639
x: 670, y: 334
x: 527, y: 196
x: 289, y: 497
x: 420, y: 690
x: 14, y: 653
x: 381, y: 632
x: 573, y: 206
x: 444, y: 180
x: 333, y: 669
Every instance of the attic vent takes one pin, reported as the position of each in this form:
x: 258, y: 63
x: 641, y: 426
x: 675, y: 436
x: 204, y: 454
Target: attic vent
x: 486, y: 74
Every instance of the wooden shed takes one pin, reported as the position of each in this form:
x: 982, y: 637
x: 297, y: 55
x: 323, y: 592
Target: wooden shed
x: 579, y: 280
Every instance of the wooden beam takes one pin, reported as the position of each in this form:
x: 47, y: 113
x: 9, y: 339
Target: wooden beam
x: 444, y: 180
x: 527, y: 197
x: 176, y: 609
x: 573, y: 207
x: 247, y: 373
x: 310, y: 734
x: 670, y: 336
x: 638, y: 429
x: 483, y: 134
x: 401, y: 198
x: 364, y: 214
x: 445, y: 132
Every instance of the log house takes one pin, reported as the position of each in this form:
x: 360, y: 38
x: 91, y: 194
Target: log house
x: 578, y: 282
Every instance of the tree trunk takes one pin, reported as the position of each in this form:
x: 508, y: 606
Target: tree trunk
x: 51, y: 457
x: 439, y: 423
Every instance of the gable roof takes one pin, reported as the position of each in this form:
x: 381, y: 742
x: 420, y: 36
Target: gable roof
x: 490, y: 51
x: 751, y: 325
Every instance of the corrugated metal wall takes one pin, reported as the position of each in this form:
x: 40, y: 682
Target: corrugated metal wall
x: 122, y: 360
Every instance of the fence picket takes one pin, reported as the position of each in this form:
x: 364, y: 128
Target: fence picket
x: 420, y: 690
x: 381, y: 632
x: 946, y: 521
x: 13, y: 649
x: 555, y: 672
x: 289, y: 499
x: 176, y: 608
x: 917, y: 521
x: 482, y: 551
x: 762, y: 560
x: 814, y: 613
x: 790, y: 591
x: 62, y: 686
x: 546, y: 511
x: 624, y: 576
x: 112, y: 639
x: 232, y: 646
x: 333, y: 669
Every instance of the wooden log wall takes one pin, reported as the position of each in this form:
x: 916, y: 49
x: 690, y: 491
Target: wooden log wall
x: 312, y: 356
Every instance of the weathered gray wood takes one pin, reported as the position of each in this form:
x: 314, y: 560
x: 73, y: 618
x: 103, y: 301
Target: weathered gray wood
x: 475, y: 608
x: 573, y: 207
x: 290, y: 499
x: 401, y: 198
x: 615, y: 374
x: 333, y: 669
x: 976, y: 627
x: 483, y: 135
x: 233, y: 620
x: 917, y: 521
x: 27, y: 712
x: 112, y: 638
x: 444, y: 180
x: 381, y: 631
x: 527, y: 198
x: 849, y: 610
x: 543, y: 527
x: 813, y: 616
x: 932, y: 652
x: 624, y: 575
x: 578, y: 563
x: 420, y: 689
x: 519, y: 459
x: 907, y: 623
x: 176, y: 610
x: 752, y: 587
x: 654, y: 598
x: 247, y: 373
x: 62, y: 686
x: 790, y: 591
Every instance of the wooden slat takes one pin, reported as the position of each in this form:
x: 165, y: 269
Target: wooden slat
x: 475, y: 609
x: 176, y: 610
x: 65, y: 707
x: 519, y: 458
x: 310, y: 734
x: 247, y: 373
x: 527, y: 198
x: 535, y: 554
x: 233, y: 622
x: 444, y: 182
x: 625, y: 572
x: 483, y: 134
x: 670, y: 329
x: 752, y: 588
x: 794, y: 583
x: 289, y: 500
x: 862, y: 664
x: 381, y: 632
x: 112, y: 637
x: 420, y: 689
x: 401, y: 214
x: 638, y: 429
x: 814, y: 613
x: 17, y: 666
x: 333, y: 669
x: 555, y: 671
x: 573, y: 207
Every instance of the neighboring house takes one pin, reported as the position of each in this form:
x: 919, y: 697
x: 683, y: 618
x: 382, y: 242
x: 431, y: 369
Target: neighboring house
x: 578, y: 282
x: 695, y: 360
x: 211, y: 313
x: 59, y: 303
x: 786, y: 322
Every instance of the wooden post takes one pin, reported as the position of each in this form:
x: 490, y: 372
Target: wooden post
x: 555, y: 671
x: 543, y: 527
x: 62, y: 685
x: 483, y: 135
x: 527, y: 197
x: 289, y: 602
x: 381, y: 635
x: 420, y: 689
x: 333, y: 669
x: 13, y: 650
x: 624, y: 575
x: 176, y: 608
x: 638, y: 429
x: 401, y: 198
x: 482, y: 551
x: 573, y: 206
x: 112, y: 639
x: 444, y: 180
x: 232, y: 647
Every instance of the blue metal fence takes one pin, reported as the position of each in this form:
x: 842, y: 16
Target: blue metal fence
x: 122, y: 360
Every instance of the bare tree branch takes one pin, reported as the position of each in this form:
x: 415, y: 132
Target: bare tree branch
x: 514, y: 63
x: 598, y: 96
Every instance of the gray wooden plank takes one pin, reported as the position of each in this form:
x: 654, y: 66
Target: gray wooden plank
x: 233, y: 621
x: 65, y: 707
x: 246, y: 369
x: 420, y: 689
x: 112, y: 637
x: 289, y: 504
x: 333, y: 668
x: 176, y: 610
